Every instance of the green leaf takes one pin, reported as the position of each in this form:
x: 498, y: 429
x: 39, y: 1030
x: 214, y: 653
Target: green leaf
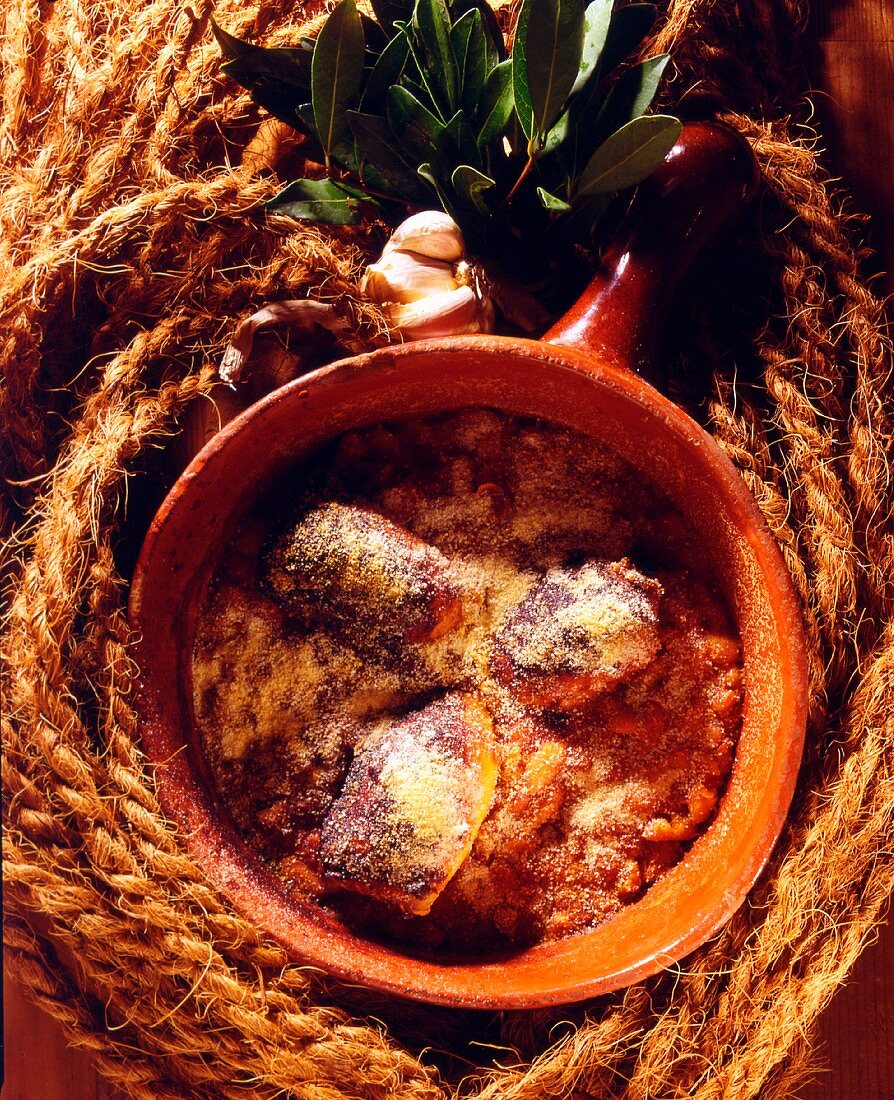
x: 431, y: 30
x: 344, y: 154
x: 320, y: 201
x: 271, y: 66
x: 597, y: 18
x: 278, y: 79
x: 278, y: 100
x: 230, y: 46
x: 552, y: 202
x: 457, y: 144
x: 496, y: 46
x: 306, y: 114
x: 459, y: 39
x: 336, y: 72
x: 416, y: 77
x: 628, y: 27
x: 378, y: 147
x: 470, y: 48
x: 585, y: 215
x: 495, y: 106
x: 386, y: 71
x: 234, y: 49
x: 388, y: 12
x: 630, y: 96
x: 427, y: 173
x: 554, y: 40
x: 557, y: 134
x: 374, y: 39
x: 469, y: 184
x: 629, y: 155
x: 415, y: 128
x: 521, y: 93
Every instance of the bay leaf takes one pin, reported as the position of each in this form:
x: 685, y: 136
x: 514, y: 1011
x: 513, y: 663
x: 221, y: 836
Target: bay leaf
x: 278, y: 79
x: 418, y: 79
x: 630, y: 95
x: 554, y: 36
x: 628, y: 27
x: 431, y: 30
x: 389, y: 12
x: 386, y: 71
x: 457, y: 144
x: 628, y: 98
x: 470, y: 47
x: 344, y: 154
x: 276, y: 60
x: 558, y: 133
x: 496, y: 46
x: 470, y: 184
x: 496, y: 103
x: 336, y: 72
x: 378, y: 147
x: 374, y: 39
x: 280, y: 101
x: 629, y: 155
x: 427, y: 172
x: 320, y: 201
x: 415, y: 128
x: 521, y: 92
x: 552, y: 202
x: 597, y: 17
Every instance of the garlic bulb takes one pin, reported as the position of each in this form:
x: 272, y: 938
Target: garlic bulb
x: 422, y: 281
x: 424, y: 284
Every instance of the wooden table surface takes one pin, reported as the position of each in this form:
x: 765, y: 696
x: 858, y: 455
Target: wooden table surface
x: 852, y: 69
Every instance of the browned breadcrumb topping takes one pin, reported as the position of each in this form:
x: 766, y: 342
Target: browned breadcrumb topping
x: 414, y: 797
x: 349, y: 564
x: 589, y: 628
x: 577, y: 633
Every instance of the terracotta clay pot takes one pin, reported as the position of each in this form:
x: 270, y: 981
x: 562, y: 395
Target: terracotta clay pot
x: 583, y: 376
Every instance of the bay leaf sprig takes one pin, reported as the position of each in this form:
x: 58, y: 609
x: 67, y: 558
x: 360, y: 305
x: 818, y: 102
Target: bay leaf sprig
x: 426, y: 104
x: 336, y: 73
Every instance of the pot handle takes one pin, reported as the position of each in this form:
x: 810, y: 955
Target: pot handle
x: 697, y: 191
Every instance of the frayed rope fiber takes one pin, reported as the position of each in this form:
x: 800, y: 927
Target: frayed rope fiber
x: 130, y: 173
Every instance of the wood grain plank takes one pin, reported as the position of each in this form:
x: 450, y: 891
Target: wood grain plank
x: 851, y: 66
x: 855, y: 1051
x: 39, y: 1063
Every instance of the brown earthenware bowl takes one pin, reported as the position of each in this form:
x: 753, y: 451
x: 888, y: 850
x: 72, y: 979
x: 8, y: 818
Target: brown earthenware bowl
x: 582, y: 376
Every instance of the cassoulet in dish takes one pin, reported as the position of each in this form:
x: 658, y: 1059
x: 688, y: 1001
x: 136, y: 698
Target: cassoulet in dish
x: 467, y: 682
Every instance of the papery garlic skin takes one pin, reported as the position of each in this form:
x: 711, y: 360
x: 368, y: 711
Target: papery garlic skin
x: 425, y: 285
x: 429, y: 233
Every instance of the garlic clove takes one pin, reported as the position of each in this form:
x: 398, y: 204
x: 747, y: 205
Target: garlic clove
x: 300, y: 311
x: 407, y: 277
x: 452, y: 313
x: 430, y: 233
